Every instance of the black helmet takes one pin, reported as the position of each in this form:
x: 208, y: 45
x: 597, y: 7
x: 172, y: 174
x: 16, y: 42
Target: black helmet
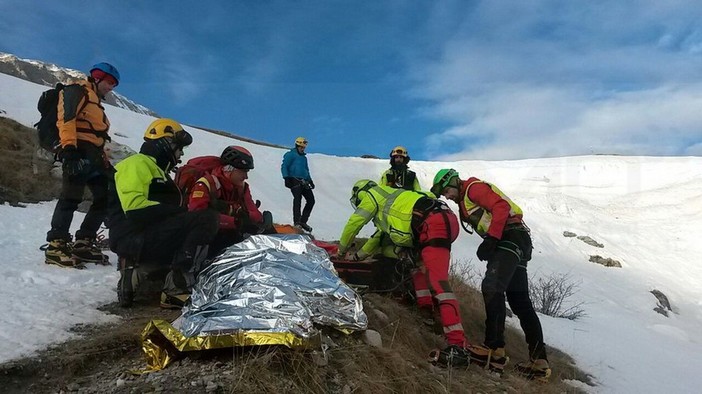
x: 237, y: 157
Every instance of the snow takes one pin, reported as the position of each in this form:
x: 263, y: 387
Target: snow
x: 647, y: 212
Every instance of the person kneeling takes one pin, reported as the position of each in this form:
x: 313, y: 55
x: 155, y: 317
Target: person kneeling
x: 224, y: 189
x: 146, y: 219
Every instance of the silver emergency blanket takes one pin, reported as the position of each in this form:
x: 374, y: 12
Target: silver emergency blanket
x: 271, y: 283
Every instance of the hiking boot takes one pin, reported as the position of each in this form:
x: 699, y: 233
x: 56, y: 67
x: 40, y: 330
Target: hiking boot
x: 451, y: 356
x: 538, y: 370
x: 128, y: 282
x: 86, y: 250
x: 58, y: 252
x: 304, y: 226
x: 492, y: 359
x: 174, y: 301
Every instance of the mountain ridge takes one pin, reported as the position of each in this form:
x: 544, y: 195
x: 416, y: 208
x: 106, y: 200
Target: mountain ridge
x: 49, y: 74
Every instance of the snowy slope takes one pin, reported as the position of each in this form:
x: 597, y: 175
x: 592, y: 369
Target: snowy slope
x: 647, y: 211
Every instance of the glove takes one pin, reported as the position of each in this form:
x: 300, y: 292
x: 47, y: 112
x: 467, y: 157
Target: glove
x: 289, y: 182
x: 487, y: 249
x: 73, y: 164
x: 311, y: 184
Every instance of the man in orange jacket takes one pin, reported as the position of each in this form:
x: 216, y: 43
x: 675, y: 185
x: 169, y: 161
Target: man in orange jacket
x: 83, y: 130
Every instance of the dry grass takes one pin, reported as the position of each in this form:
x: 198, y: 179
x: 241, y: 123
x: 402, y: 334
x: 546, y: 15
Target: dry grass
x: 24, y: 177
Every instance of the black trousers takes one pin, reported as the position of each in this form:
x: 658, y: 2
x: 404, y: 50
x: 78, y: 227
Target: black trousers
x: 506, y: 275
x: 183, y: 232
x: 72, y: 191
x: 299, y: 191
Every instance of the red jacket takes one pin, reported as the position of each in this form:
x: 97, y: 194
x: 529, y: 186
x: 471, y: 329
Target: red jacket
x: 235, y: 205
x: 482, y: 195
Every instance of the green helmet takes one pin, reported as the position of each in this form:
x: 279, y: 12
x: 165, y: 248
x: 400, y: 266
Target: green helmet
x: 442, y: 179
x: 360, y: 186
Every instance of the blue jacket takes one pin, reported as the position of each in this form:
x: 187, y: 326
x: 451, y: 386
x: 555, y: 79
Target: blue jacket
x: 295, y: 165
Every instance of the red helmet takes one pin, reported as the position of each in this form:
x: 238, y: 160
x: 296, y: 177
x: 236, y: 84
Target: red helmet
x: 237, y: 157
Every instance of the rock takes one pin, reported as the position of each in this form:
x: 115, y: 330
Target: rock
x: 590, y: 241
x: 120, y: 382
x: 381, y: 315
x: 320, y: 358
x: 211, y: 386
x: 607, y: 262
x: 568, y: 234
x: 663, y: 304
x: 373, y: 338
x: 73, y: 387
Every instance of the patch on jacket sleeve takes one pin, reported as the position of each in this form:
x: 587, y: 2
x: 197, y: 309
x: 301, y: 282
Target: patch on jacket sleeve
x: 198, y: 194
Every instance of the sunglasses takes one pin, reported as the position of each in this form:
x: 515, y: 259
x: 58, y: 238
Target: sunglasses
x: 399, y: 152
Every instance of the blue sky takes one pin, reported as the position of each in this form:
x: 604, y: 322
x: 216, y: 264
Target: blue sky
x: 447, y: 79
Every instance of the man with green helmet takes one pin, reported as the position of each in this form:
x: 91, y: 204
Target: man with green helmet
x: 415, y: 220
x: 507, y: 248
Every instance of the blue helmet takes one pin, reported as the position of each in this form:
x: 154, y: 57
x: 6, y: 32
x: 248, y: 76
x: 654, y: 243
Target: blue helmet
x: 108, y: 69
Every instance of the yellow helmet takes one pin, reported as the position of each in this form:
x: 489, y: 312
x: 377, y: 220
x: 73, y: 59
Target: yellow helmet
x: 399, y: 151
x: 164, y: 127
x: 301, y: 141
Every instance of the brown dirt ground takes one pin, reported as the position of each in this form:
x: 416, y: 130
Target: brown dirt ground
x: 102, y: 359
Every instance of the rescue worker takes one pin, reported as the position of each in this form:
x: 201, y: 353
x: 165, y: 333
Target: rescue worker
x: 399, y: 175
x: 225, y: 190
x: 417, y: 221
x: 83, y: 130
x: 149, y: 223
x: 507, y: 248
x: 296, y: 174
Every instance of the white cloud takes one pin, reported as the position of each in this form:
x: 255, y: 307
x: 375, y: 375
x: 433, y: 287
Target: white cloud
x: 528, y: 121
x: 537, y: 79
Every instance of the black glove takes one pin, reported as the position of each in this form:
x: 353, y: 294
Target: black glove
x: 487, y: 248
x: 311, y: 184
x: 289, y: 182
x: 73, y: 163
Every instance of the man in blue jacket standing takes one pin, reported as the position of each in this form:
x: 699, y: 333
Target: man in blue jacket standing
x: 297, y: 178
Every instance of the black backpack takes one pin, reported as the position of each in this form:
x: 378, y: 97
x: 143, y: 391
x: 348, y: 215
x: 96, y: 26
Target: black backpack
x: 46, y: 126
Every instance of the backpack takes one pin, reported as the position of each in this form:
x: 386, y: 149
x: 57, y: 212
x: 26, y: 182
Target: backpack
x: 46, y: 126
x: 188, y: 174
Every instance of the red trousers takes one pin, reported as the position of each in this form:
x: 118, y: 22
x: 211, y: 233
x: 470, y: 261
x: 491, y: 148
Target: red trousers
x: 436, y: 233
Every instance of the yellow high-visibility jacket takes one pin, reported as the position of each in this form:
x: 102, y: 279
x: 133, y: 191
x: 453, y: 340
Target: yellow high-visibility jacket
x: 391, y: 212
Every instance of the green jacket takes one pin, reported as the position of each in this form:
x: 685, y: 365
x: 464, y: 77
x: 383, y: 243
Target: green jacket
x: 146, y: 193
x: 391, y: 212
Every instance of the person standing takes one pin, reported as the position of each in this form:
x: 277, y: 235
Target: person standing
x: 399, y: 175
x: 507, y: 248
x: 83, y: 130
x: 296, y: 174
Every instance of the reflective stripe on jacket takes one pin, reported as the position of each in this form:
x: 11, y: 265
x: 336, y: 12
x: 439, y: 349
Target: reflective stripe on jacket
x: 235, y: 204
x: 391, y: 212
x: 486, y: 208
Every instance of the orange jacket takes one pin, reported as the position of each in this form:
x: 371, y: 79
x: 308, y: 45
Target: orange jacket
x: 81, y: 120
